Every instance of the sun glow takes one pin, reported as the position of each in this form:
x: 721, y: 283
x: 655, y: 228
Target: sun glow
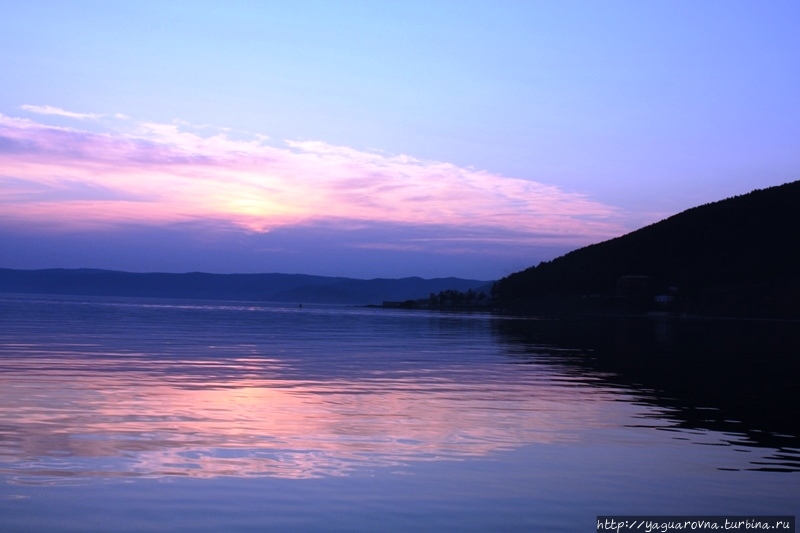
x: 161, y: 173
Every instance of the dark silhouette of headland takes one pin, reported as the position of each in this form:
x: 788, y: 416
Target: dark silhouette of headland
x: 738, y: 257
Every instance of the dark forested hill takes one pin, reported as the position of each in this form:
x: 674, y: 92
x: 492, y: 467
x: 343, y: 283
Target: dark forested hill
x: 260, y: 287
x: 735, y: 257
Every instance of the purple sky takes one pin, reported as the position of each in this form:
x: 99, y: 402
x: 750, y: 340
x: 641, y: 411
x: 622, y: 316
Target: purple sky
x: 381, y: 139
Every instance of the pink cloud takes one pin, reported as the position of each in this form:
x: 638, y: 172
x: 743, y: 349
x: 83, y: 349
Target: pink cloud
x: 164, y: 173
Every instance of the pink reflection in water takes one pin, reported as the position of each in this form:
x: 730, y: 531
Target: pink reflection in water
x: 64, y: 417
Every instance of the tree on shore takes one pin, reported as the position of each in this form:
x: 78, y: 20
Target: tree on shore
x: 454, y: 298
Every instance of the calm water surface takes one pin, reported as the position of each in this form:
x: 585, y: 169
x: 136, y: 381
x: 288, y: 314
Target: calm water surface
x: 137, y: 415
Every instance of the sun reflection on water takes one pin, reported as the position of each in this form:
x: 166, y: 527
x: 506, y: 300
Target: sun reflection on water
x: 62, y: 422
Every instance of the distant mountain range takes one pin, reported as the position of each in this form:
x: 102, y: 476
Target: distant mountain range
x: 736, y: 257
x: 296, y: 288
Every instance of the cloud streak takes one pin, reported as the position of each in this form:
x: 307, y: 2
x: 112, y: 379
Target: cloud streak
x: 50, y: 110
x: 159, y: 174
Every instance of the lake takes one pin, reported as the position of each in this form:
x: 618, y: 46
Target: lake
x: 184, y: 415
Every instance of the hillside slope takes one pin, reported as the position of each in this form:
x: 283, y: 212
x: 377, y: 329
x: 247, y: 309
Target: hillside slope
x: 296, y: 288
x: 735, y: 257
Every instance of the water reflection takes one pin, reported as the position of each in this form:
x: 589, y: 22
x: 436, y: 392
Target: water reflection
x: 99, y: 388
x: 206, y: 391
x: 102, y: 423
x: 716, y: 383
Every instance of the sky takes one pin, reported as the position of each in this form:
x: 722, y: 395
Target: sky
x: 379, y: 138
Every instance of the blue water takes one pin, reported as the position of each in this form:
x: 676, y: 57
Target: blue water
x: 162, y: 415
